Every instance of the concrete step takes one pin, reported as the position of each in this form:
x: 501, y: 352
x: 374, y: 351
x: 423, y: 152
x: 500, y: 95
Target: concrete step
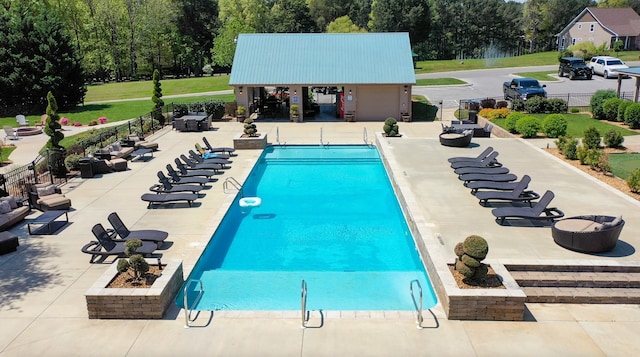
x: 576, y: 279
x: 569, y: 295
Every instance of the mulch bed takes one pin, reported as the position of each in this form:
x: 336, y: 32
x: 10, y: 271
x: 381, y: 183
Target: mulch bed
x: 491, y: 281
x: 126, y: 280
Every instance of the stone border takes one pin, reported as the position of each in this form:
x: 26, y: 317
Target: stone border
x: 138, y: 303
x: 257, y: 142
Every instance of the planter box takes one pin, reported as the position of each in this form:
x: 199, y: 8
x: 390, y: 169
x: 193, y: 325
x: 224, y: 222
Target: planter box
x: 134, y: 303
x: 256, y: 142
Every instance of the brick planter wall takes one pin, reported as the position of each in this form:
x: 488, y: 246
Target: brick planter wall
x: 138, y: 303
x: 258, y: 142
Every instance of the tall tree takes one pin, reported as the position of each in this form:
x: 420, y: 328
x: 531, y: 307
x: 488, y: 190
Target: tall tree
x: 412, y: 16
x: 197, y: 24
x: 156, y: 98
x: 224, y: 46
x: 53, y: 127
x: 252, y: 14
x: 634, y: 4
x: 343, y: 25
x: 291, y: 16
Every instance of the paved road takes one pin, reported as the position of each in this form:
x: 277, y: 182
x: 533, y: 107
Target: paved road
x: 488, y: 83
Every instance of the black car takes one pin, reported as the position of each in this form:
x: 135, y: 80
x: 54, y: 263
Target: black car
x: 574, y: 67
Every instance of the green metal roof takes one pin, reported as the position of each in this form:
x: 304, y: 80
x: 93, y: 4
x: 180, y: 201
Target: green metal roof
x: 322, y: 59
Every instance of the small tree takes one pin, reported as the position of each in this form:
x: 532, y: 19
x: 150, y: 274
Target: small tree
x: 618, y: 46
x: 136, y: 262
x: 591, y: 138
x: 250, y: 127
x: 390, y: 127
x: 157, y: 94
x: 53, y: 127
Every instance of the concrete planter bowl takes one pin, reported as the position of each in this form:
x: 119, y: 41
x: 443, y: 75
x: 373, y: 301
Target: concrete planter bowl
x: 249, y: 143
x: 134, y: 303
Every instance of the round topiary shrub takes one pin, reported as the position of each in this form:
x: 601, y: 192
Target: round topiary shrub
x: 622, y: 107
x: 632, y: 115
x: 633, y: 181
x: 470, y: 254
x: 511, y: 120
x: 613, y: 138
x: 554, y: 125
x: 250, y: 127
x: 517, y: 105
x: 528, y: 127
x: 536, y: 105
x: 557, y: 105
x: 598, y: 99
x: 391, y: 127
x: 610, y: 108
x: 591, y: 138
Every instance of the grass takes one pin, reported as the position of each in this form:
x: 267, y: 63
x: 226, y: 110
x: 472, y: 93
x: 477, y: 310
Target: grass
x: 577, y: 123
x: 438, y: 81
x: 144, y: 89
x: 623, y: 164
x: 6, y: 151
x: 541, y: 76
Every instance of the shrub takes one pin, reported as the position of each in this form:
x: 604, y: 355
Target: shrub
x: 494, y: 113
x: 517, y: 105
x: 575, y: 110
x: 598, y: 99
x: 512, y: 119
x: 180, y: 109
x: 536, y: 105
x: 613, y: 138
x: 591, y: 157
x: 484, y: 112
x: 136, y: 261
x: 71, y: 162
x: 528, y: 126
x: 570, y: 149
x: 591, y: 138
x: 622, y: 107
x: 502, y: 104
x: 557, y: 105
x: 488, y: 103
x: 603, y: 163
x: 390, y: 127
x: 92, y: 123
x: 470, y: 254
x: 610, y: 108
x: 554, y: 125
x: 633, y: 181
x: 250, y: 127
x: 632, y: 115
x: 215, y: 108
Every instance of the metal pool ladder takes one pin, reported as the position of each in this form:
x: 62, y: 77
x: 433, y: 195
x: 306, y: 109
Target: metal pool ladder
x: 418, y: 307
x: 365, y: 137
x: 187, y: 310
x: 303, y: 303
x: 278, y: 137
x: 322, y: 143
x: 230, y: 181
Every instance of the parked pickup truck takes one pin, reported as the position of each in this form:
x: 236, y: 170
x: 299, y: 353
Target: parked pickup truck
x: 523, y: 89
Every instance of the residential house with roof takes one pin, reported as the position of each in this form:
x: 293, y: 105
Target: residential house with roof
x: 372, y: 72
x: 602, y: 25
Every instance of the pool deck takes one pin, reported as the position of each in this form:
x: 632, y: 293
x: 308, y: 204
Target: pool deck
x: 42, y: 286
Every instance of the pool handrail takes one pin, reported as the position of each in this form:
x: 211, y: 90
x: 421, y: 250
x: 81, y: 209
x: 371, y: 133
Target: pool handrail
x: 418, y: 307
x: 303, y: 303
x: 233, y: 182
x: 185, y: 297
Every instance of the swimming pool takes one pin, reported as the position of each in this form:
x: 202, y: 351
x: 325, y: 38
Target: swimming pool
x: 329, y: 216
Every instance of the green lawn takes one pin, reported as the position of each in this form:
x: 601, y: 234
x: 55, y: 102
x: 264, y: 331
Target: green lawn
x: 577, y: 123
x: 541, y: 76
x: 6, y: 151
x: 623, y: 164
x: 438, y: 81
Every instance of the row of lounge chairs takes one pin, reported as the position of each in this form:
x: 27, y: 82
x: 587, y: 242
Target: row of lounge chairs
x: 191, y: 176
x: 489, y: 180
x: 111, y: 242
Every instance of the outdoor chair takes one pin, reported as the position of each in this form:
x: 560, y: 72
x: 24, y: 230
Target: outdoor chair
x: 491, y: 185
x: 22, y: 120
x: 163, y: 198
x: 10, y: 133
x: 105, y: 245
x: 205, y: 152
x: 455, y: 139
x: 192, y: 165
x: 124, y: 233
x: 185, y: 172
x: 532, y: 213
x: 588, y: 234
x: 175, y: 177
x: 487, y: 177
x: 179, y: 124
x: 166, y: 187
x: 210, y: 160
x: 478, y: 158
x: 517, y: 195
x: 489, y: 161
x: 481, y: 170
x: 223, y: 149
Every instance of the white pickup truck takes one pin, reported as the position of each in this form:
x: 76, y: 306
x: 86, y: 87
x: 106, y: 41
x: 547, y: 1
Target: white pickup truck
x: 606, y: 66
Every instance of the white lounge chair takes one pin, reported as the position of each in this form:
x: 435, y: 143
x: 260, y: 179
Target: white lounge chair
x: 10, y: 133
x: 22, y: 120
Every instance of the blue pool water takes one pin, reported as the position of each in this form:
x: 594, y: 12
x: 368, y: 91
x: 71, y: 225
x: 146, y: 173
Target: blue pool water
x: 329, y: 216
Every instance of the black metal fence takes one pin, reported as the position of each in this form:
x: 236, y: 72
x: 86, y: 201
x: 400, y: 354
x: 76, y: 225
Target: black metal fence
x: 574, y: 100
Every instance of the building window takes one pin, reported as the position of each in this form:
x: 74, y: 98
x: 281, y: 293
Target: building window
x: 592, y: 27
x: 562, y: 43
x: 573, y: 41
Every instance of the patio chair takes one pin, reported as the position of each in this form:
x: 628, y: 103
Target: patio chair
x: 166, y: 187
x: 212, y: 160
x: 487, y: 177
x: 456, y: 139
x: 491, y: 185
x: 205, y: 152
x: 111, y: 247
x: 481, y: 170
x: 217, y: 149
x: 481, y: 156
x: 517, y: 195
x: 185, y: 172
x: 488, y: 161
x: 533, y: 213
x: 151, y: 235
x: 175, y: 177
x: 192, y: 165
x: 162, y: 198
x: 10, y: 133
x: 179, y: 124
x: 22, y: 120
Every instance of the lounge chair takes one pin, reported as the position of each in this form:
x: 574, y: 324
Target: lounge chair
x: 111, y: 247
x: 456, y: 139
x: 184, y: 171
x: 192, y: 165
x: 203, y: 152
x: 491, y: 185
x: 517, y: 195
x: 489, y: 161
x: 151, y: 235
x: 487, y: 177
x: 175, y: 177
x: 217, y: 149
x: 211, y: 160
x: 165, y: 186
x: 161, y: 198
x: 10, y: 133
x: 22, y: 120
x: 535, y: 212
x: 478, y: 158
x: 481, y: 170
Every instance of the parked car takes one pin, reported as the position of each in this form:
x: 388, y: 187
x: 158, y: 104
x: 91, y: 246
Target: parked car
x: 523, y: 89
x: 606, y: 66
x: 574, y: 67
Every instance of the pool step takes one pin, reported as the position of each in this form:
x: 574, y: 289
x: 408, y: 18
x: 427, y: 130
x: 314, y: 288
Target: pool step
x: 579, y: 284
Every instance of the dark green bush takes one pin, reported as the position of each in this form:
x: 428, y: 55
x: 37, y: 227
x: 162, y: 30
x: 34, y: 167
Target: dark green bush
x: 622, y: 107
x: 250, y: 127
x: 180, y: 109
x: 554, y: 125
x: 464, y: 269
x: 557, y: 105
x: 613, y: 138
x: 215, y: 108
x: 632, y: 115
x: 391, y: 127
x: 570, y: 150
x: 575, y: 110
x: 536, y: 105
x: 476, y: 246
x: 528, y: 127
x: 71, y: 161
x: 610, y: 108
x: 598, y: 99
x: 470, y: 261
x: 502, y: 104
x: 591, y: 138
x: 517, y: 105
x: 488, y: 103
x: 633, y: 181
x: 470, y: 254
x: 589, y: 157
x: 511, y: 120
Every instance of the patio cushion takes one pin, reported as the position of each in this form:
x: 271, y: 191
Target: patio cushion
x: 4, y: 207
x: 577, y: 225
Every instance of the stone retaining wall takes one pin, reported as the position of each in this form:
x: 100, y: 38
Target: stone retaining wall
x: 253, y: 143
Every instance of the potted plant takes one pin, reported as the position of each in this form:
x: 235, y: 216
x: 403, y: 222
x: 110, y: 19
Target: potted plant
x: 250, y: 128
x: 391, y: 128
x: 250, y: 138
x: 295, y: 112
x: 240, y: 112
